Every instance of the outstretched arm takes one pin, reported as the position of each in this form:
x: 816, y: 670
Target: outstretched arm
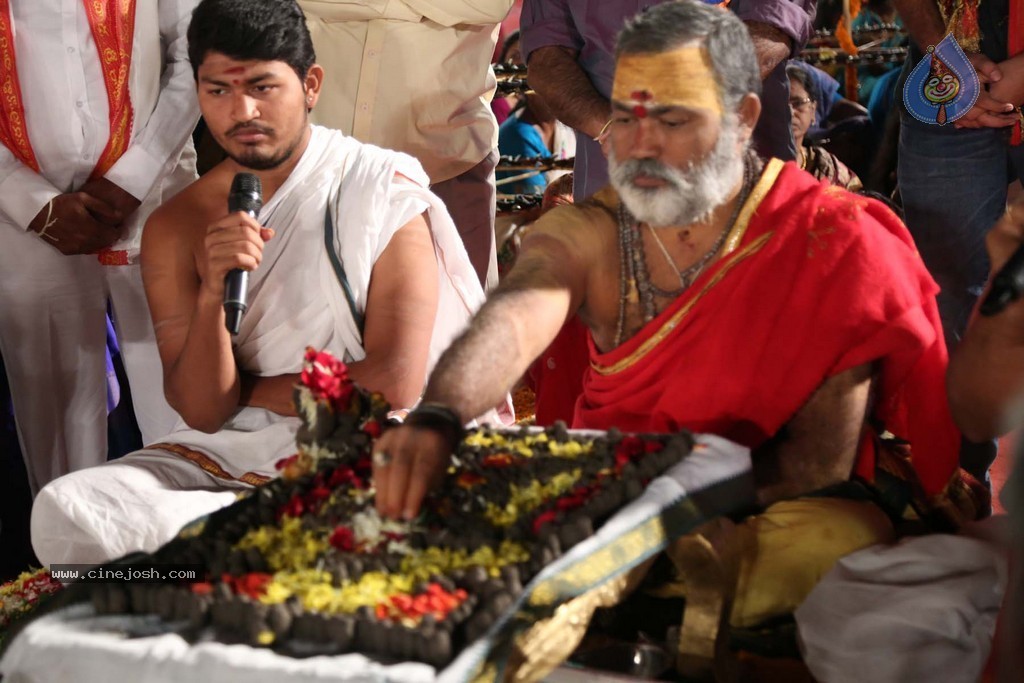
x: 514, y: 327
x: 986, y: 371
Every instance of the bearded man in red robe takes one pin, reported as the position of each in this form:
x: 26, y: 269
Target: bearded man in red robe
x: 727, y: 296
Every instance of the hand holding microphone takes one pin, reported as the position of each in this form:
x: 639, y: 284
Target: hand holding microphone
x: 234, y: 246
x: 246, y: 196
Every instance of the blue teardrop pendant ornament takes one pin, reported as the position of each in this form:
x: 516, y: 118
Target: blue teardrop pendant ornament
x: 943, y: 86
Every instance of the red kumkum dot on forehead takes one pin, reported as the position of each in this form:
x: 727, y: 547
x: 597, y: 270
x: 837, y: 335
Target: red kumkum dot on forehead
x: 640, y: 111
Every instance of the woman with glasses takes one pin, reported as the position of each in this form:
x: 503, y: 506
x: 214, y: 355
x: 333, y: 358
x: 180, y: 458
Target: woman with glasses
x: 814, y: 159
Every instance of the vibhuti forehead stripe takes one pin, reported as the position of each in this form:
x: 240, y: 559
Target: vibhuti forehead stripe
x: 682, y: 77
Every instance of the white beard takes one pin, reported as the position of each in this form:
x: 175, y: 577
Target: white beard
x: 692, y: 194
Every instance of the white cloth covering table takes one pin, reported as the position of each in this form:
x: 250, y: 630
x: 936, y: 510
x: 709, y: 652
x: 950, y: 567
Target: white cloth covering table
x: 76, y: 645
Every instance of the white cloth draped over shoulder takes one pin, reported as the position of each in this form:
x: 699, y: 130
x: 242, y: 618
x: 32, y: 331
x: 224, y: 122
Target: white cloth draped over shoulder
x: 295, y: 300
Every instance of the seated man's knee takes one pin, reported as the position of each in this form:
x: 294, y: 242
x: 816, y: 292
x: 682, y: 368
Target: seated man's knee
x: 57, y: 533
x: 788, y: 548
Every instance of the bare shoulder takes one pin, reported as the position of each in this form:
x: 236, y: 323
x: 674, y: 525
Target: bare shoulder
x: 587, y: 230
x: 182, y: 219
x: 569, y: 248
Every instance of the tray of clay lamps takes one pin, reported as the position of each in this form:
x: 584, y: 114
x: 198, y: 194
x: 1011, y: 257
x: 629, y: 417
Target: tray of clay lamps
x: 307, y: 566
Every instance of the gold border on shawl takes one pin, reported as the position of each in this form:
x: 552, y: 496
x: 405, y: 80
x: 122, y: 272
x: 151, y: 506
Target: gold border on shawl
x: 114, y: 33
x: 672, y: 322
x: 767, y: 181
x: 253, y: 479
x: 536, y: 652
x: 596, y: 569
x: 208, y: 464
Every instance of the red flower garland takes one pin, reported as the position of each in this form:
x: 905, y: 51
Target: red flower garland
x: 343, y: 539
x: 253, y: 584
x: 327, y: 379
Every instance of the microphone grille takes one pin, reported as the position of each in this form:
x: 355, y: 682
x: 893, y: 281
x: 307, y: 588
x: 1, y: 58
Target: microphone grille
x: 246, y: 183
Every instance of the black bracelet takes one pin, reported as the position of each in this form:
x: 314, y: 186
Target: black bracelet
x: 438, y: 418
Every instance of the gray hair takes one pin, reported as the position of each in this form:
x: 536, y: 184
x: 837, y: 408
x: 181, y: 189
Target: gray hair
x: 676, y: 23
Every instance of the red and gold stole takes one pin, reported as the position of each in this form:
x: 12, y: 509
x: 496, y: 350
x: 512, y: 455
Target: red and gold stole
x: 113, y: 28
x: 813, y: 281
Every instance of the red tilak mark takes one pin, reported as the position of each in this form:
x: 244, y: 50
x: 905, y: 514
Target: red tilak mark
x: 235, y: 82
x: 640, y: 111
x: 642, y: 95
x: 235, y: 70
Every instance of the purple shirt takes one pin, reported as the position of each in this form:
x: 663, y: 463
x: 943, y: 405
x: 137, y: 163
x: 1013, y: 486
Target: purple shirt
x: 590, y: 27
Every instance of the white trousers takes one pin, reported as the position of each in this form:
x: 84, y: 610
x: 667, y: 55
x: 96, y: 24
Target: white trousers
x: 53, y: 336
x: 136, y: 503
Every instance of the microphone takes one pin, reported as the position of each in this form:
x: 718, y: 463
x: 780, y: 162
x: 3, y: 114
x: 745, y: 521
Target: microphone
x: 246, y: 195
x: 1007, y: 285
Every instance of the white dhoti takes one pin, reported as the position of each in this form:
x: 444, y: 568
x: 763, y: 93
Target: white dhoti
x: 296, y: 300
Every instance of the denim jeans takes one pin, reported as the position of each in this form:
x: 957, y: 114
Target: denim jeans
x: 953, y: 184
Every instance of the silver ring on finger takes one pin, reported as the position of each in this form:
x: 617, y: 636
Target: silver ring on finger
x: 381, y: 458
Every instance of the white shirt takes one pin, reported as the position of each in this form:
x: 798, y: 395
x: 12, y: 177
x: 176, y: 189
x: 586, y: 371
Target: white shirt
x: 66, y: 107
x: 410, y: 75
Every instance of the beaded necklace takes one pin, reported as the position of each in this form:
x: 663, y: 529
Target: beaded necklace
x: 635, y: 281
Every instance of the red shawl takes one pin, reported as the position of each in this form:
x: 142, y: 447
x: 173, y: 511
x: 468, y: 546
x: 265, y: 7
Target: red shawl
x: 813, y: 281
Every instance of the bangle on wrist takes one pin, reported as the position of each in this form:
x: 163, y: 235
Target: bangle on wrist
x: 49, y: 223
x: 438, y: 418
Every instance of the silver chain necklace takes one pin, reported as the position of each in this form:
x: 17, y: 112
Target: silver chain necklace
x: 633, y: 261
x: 689, y: 274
